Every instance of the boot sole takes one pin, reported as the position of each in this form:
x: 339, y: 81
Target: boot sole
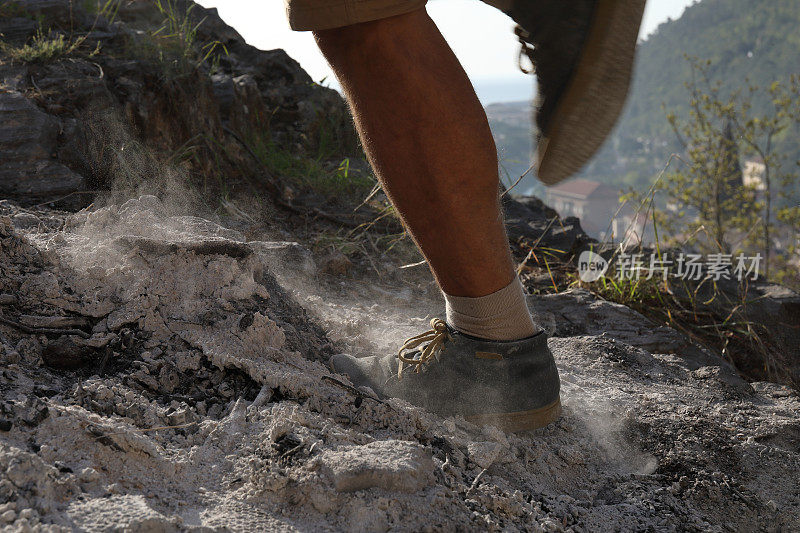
x: 596, y: 94
x: 519, y: 420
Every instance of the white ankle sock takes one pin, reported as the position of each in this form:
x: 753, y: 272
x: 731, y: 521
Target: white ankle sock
x: 500, y: 316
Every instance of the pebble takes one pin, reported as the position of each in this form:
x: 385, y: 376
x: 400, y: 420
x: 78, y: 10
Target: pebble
x: 89, y: 475
x: 484, y: 454
x: 336, y: 264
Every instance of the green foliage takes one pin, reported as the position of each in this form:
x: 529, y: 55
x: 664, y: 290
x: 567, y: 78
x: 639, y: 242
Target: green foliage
x: 42, y: 48
x: 178, y: 35
x: 329, y: 178
x: 706, y: 197
x: 105, y: 8
x: 702, y: 310
x: 755, y: 40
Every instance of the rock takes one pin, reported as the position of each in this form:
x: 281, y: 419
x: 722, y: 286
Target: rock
x: 121, y: 513
x: 776, y: 311
x: 33, y: 412
x: 17, y: 30
x: 335, y: 263
x: 25, y: 221
x: 30, y: 349
x: 528, y: 219
x: 484, y: 454
x: 28, y: 140
x: 66, y: 354
x: 188, y: 361
x: 725, y: 376
x: 391, y: 465
x: 53, y: 321
x: 168, y: 378
x: 6, y: 425
x: 579, y: 312
x: 59, y: 118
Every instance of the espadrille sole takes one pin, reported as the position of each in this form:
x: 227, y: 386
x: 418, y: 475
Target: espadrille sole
x: 520, y: 420
x: 596, y: 93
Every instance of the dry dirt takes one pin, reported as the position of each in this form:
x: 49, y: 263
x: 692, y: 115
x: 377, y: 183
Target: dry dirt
x: 161, y: 373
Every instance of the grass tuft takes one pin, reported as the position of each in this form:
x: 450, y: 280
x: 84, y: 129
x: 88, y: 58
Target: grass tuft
x: 42, y: 48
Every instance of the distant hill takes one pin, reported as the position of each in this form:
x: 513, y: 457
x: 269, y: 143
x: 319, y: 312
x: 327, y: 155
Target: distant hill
x: 511, y: 128
x: 744, y: 39
x: 756, y: 40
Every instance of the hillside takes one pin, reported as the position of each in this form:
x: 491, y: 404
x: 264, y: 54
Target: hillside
x: 511, y: 129
x: 755, y: 40
x: 744, y: 40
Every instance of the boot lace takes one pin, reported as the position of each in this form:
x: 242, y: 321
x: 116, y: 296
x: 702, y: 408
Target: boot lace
x: 435, y: 338
x: 525, y: 50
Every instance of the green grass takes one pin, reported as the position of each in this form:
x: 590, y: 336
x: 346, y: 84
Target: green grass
x: 106, y: 8
x: 330, y: 178
x: 179, y: 31
x: 699, y: 309
x: 42, y: 48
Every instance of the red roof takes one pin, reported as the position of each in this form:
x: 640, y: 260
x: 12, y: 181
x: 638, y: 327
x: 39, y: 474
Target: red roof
x: 581, y: 188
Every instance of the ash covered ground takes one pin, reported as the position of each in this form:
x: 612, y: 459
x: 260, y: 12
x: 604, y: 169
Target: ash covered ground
x: 162, y: 373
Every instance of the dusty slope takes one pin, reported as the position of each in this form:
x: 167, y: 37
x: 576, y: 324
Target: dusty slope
x: 177, y: 323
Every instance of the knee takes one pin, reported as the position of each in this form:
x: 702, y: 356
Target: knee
x: 372, y: 34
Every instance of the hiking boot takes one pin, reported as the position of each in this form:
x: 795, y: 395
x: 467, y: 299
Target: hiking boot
x: 513, y: 385
x: 582, y: 52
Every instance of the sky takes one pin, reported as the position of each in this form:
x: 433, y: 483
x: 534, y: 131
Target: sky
x: 480, y: 35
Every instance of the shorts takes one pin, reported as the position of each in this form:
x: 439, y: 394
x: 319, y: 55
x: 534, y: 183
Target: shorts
x: 307, y: 15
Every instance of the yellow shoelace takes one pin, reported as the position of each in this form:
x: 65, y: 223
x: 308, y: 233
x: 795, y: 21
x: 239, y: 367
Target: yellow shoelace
x: 435, y: 339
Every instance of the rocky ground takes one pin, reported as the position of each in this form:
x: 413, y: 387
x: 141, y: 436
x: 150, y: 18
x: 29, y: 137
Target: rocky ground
x: 162, y: 373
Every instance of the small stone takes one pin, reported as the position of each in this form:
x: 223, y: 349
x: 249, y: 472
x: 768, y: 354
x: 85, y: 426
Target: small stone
x: 392, y: 465
x: 6, y: 425
x: 335, y: 263
x: 484, y: 454
x: 89, y: 475
x: 179, y: 417
x: 146, y: 380
x: 168, y: 378
x: 225, y: 390
x: 246, y: 321
x: 10, y: 357
x: 25, y: 220
x: 187, y: 361
x: 30, y: 349
x: 8, y: 516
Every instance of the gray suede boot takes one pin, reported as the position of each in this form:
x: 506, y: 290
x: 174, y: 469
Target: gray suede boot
x: 513, y: 385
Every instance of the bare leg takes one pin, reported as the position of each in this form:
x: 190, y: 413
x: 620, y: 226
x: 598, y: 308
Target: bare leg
x: 429, y: 142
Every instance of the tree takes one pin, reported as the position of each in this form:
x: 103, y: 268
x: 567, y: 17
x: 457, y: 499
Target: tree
x: 706, y: 196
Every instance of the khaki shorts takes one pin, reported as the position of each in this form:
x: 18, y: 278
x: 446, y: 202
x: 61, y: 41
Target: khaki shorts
x: 307, y: 15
